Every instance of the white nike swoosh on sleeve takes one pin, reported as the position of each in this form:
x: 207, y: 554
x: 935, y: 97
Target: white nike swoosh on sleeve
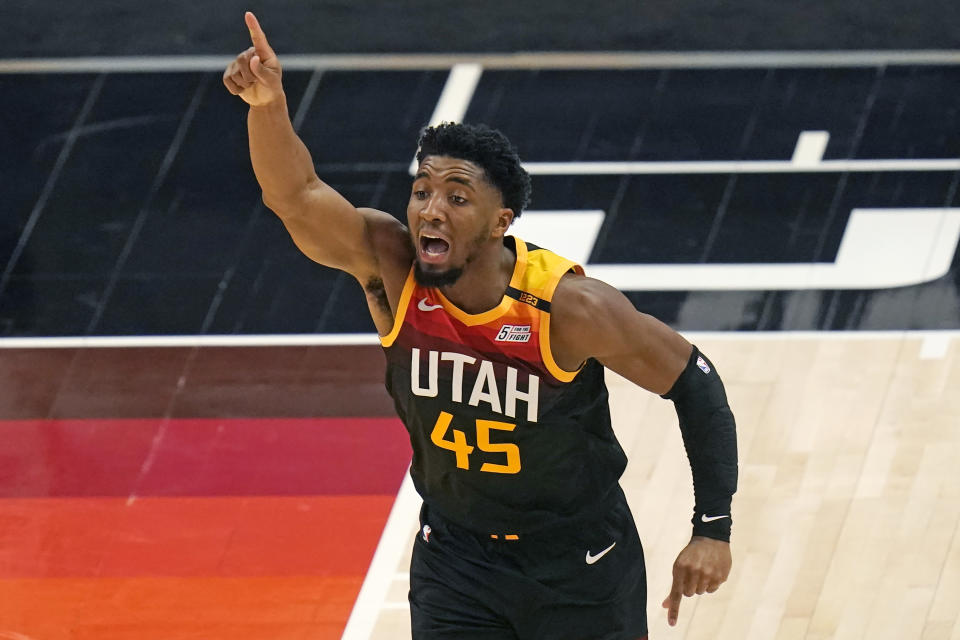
x: 706, y: 518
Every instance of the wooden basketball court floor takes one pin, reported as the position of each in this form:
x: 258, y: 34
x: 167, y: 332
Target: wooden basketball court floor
x: 846, y: 520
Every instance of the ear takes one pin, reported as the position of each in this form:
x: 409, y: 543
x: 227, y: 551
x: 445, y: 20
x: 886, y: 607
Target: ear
x: 503, y: 222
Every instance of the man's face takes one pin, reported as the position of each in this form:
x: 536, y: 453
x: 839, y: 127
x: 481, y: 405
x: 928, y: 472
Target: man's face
x: 453, y: 211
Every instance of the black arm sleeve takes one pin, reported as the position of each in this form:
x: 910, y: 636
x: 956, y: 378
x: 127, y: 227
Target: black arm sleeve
x: 710, y: 438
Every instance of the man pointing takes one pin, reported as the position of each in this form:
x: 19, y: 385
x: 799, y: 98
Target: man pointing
x: 495, y: 352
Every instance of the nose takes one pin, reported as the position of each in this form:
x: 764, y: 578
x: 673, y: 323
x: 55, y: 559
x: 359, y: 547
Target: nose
x: 432, y: 209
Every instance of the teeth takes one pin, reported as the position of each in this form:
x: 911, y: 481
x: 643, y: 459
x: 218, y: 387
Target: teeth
x: 427, y: 244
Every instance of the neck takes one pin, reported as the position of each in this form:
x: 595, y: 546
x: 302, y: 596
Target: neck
x: 484, y: 280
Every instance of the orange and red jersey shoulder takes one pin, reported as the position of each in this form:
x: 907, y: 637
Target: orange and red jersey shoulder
x: 504, y: 440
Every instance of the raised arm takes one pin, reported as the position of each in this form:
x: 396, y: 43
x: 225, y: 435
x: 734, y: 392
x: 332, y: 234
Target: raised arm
x: 591, y: 319
x: 322, y: 223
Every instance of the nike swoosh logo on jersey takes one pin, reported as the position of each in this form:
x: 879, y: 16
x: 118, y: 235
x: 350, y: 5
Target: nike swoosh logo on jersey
x: 423, y: 306
x: 705, y: 518
x: 591, y: 559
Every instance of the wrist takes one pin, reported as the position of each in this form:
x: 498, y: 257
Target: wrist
x: 708, y: 540
x: 712, y: 525
x: 276, y: 105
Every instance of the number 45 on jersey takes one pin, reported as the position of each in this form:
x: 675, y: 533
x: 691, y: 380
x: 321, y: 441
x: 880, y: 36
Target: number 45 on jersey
x: 458, y: 445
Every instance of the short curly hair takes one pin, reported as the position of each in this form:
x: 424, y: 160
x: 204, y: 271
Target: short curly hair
x: 488, y: 149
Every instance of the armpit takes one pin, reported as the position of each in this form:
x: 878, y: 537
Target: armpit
x: 375, y: 291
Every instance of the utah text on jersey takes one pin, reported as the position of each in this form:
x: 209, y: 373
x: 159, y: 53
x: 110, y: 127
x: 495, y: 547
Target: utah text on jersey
x: 483, y: 387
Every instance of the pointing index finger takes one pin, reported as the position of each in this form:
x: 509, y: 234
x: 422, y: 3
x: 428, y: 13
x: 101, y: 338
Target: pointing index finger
x: 672, y: 601
x: 672, y: 605
x: 258, y: 38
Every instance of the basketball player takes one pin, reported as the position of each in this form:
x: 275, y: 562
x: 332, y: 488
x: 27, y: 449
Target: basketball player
x: 495, y: 356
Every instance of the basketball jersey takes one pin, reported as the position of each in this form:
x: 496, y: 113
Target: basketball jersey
x: 504, y: 440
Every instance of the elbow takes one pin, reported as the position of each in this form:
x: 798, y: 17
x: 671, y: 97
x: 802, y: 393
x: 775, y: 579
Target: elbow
x: 270, y: 202
x: 293, y: 202
x: 285, y: 208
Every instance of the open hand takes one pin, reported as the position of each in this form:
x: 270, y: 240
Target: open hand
x: 701, y: 567
x: 255, y: 74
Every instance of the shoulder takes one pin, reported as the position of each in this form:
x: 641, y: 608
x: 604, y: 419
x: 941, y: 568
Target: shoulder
x: 585, y: 316
x: 591, y: 319
x: 579, y: 298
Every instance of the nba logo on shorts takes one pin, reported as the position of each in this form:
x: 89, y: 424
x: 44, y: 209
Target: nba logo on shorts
x: 426, y: 533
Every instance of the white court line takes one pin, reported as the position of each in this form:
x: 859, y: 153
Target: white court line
x: 282, y: 340
x: 457, y: 93
x: 735, y: 166
x: 810, y: 148
x: 455, y: 97
x: 823, y: 335
x: 942, y: 251
x: 541, y: 60
x: 396, y: 538
x: 569, y: 233
x: 351, y: 339
x: 880, y: 249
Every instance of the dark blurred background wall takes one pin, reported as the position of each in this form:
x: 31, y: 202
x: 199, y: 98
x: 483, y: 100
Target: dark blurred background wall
x: 33, y: 28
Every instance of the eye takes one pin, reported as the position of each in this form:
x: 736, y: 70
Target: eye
x: 458, y: 199
x: 420, y: 194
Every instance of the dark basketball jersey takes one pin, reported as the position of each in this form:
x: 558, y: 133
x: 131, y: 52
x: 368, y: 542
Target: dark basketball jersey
x: 504, y: 440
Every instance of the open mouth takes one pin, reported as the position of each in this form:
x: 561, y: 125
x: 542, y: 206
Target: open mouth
x: 433, y: 247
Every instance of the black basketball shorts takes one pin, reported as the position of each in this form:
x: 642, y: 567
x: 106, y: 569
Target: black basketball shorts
x: 583, y: 583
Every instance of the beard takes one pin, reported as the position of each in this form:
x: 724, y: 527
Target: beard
x: 435, y: 279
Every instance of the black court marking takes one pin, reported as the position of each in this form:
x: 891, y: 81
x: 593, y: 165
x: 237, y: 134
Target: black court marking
x: 204, y: 256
